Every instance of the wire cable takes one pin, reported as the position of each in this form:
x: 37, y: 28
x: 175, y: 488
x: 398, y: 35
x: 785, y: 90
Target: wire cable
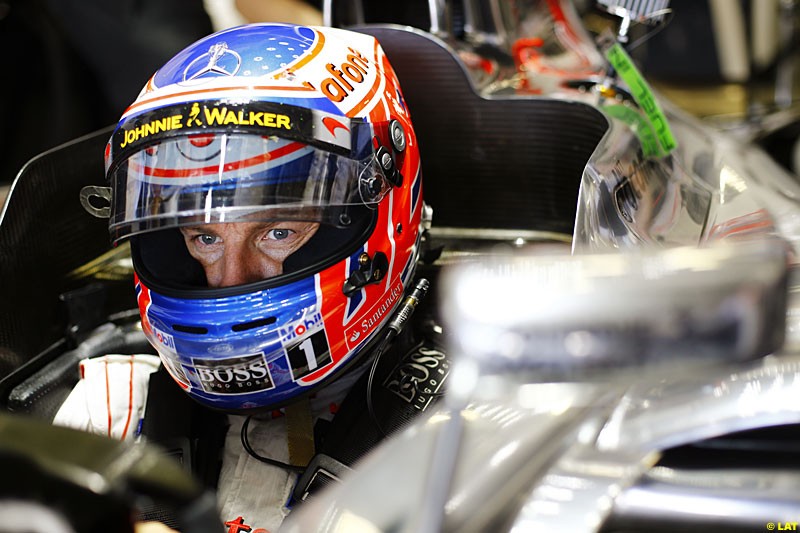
x: 652, y: 33
x: 371, y: 378
x: 274, y: 462
x: 396, y: 325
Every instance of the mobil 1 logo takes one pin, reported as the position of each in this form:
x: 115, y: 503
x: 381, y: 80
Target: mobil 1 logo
x: 234, y: 375
x: 308, y: 355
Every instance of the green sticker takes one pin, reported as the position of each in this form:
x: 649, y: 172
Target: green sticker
x: 643, y: 95
x: 640, y: 126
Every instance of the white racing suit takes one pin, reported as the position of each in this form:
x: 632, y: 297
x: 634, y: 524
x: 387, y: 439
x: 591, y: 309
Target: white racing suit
x: 253, y: 496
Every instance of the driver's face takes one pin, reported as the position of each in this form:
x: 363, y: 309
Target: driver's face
x: 234, y: 253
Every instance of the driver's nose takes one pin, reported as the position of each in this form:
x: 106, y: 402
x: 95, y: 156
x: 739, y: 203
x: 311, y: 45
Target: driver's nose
x: 243, y: 264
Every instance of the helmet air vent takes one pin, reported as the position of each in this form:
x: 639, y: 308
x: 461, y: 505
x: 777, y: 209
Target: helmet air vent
x: 196, y: 330
x: 253, y: 324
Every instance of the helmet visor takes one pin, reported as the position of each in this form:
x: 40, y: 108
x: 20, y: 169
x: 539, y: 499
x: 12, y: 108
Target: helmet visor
x: 210, y: 178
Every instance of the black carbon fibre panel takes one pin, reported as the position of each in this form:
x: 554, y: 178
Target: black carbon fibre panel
x: 503, y: 162
x: 44, y: 234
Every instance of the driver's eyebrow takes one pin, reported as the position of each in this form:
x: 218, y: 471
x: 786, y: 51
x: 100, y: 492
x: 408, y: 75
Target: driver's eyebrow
x: 199, y: 229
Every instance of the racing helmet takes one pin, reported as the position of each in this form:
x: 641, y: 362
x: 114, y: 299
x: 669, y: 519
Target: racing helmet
x: 303, y: 134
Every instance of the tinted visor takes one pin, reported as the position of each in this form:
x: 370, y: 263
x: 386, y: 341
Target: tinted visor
x: 164, y: 263
x: 231, y: 177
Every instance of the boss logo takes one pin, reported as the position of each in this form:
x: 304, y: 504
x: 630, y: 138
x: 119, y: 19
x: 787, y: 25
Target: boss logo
x: 419, y: 376
x: 236, y: 375
x: 352, y: 71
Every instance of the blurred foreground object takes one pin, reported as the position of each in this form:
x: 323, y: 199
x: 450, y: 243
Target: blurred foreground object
x: 566, y: 316
x: 581, y: 397
x: 76, y: 481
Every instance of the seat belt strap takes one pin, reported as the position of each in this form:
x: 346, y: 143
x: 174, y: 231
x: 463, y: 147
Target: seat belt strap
x: 300, y: 432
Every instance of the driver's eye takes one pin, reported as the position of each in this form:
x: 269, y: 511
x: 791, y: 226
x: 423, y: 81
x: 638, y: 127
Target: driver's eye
x: 207, y: 239
x: 280, y: 233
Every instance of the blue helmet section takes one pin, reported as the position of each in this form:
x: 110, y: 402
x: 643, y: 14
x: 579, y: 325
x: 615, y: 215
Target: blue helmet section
x: 233, y: 352
x: 260, y: 50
